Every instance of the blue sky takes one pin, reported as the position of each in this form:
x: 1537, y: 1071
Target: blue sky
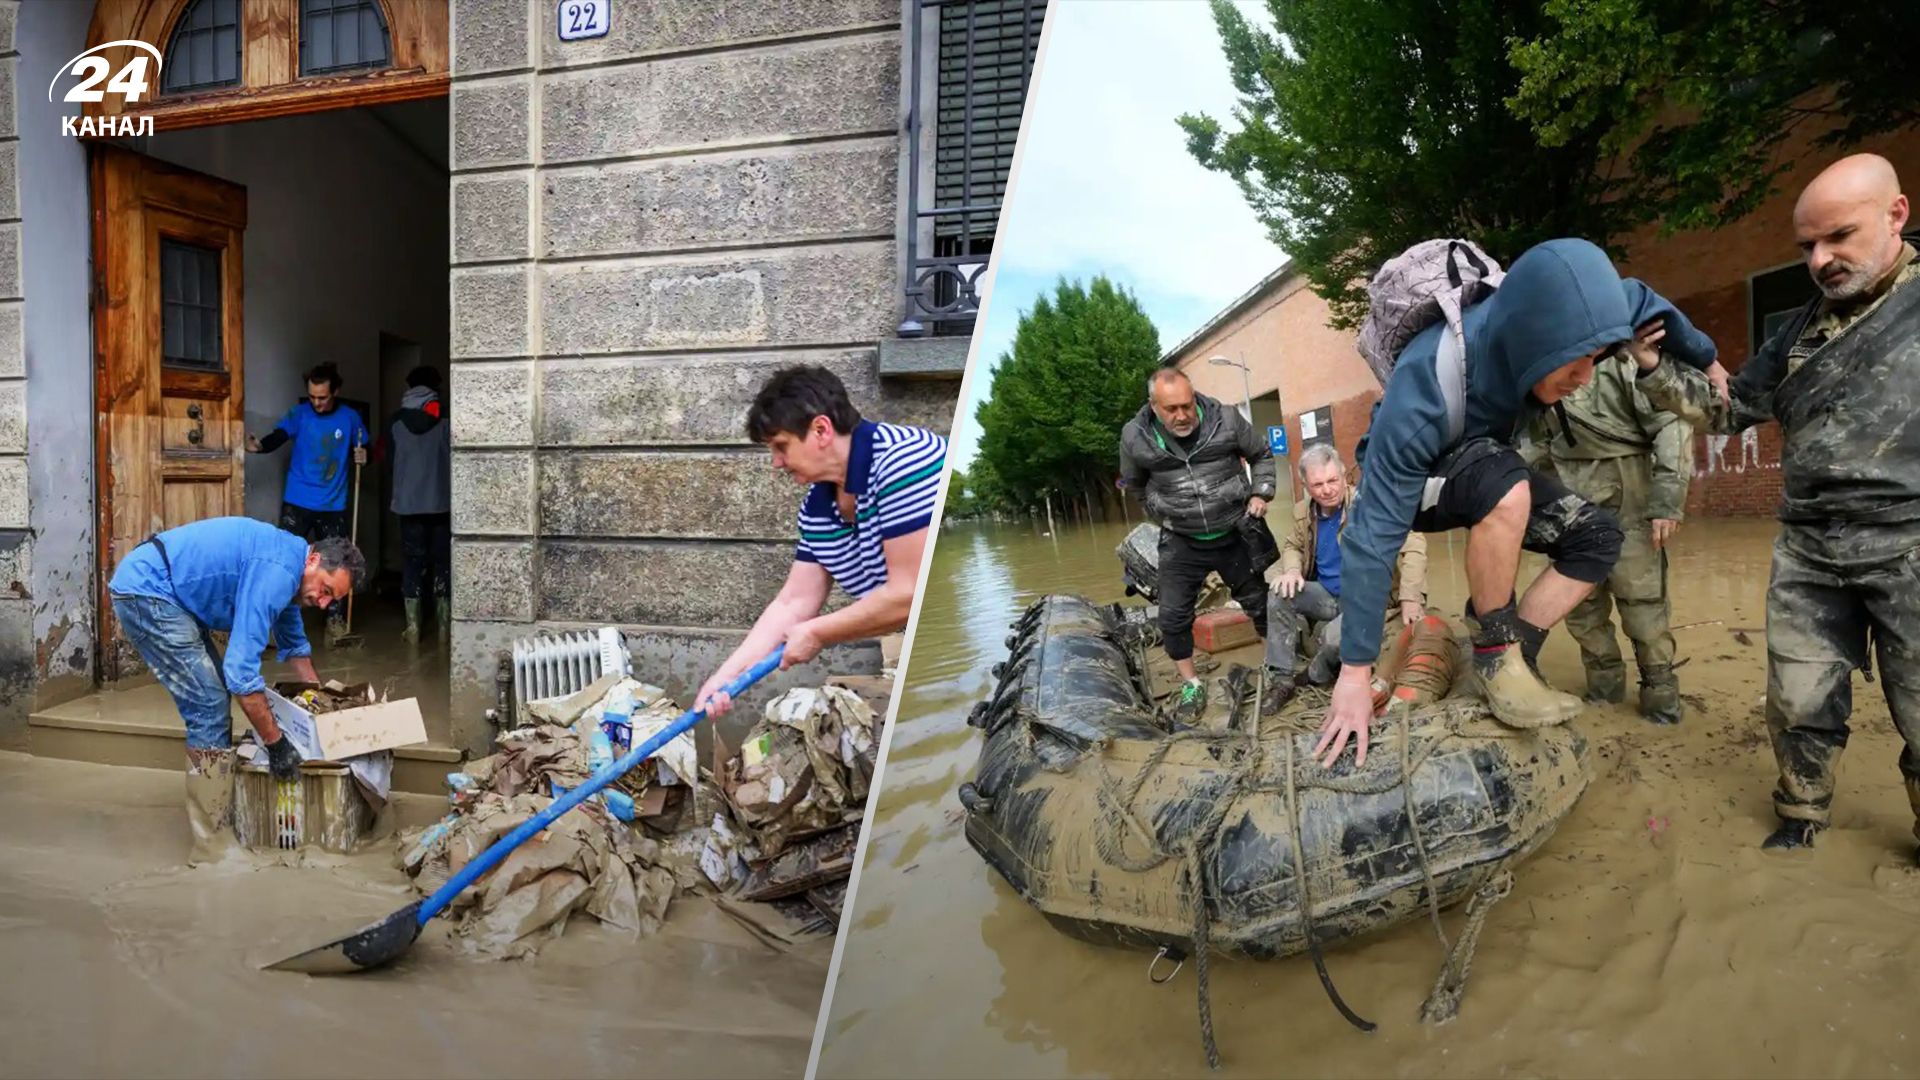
x: 1105, y: 183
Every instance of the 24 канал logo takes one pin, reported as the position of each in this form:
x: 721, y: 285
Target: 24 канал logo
x: 92, y: 71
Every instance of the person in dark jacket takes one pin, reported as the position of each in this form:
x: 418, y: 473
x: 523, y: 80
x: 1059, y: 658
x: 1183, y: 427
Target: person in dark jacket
x: 1562, y: 307
x: 1843, y: 379
x: 1189, y: 457
x: 422, y: 487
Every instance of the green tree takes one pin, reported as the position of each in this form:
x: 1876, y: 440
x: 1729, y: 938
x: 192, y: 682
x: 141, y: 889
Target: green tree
x: 1365, y: 126
x: 1702, y: 97
x: 960, y: 504
x: 1059, y: 397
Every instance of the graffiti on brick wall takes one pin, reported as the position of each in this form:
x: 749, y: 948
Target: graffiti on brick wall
x: 1715, y: 459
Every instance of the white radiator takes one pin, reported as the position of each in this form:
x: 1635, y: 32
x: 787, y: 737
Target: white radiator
x: 559, y: 665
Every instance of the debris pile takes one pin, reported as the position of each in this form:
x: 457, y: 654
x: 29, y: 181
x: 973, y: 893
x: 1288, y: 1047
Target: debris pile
x: 794, y: 796
x: 591, y: 859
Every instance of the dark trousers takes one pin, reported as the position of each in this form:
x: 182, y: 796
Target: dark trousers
x: 426, y: 547
x: 313, y: 525
x: 1184, y: 565
x: 1582, y: 539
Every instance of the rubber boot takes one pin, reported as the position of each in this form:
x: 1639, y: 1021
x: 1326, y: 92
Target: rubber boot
x: 1516, y: 695
x: 413, y: 605
x: 1507, y: 683
x: 210, y: 804
x: 443, y: 616
x: 1608, y: 685
x: 1660, y: 695
x: 1791, y: 834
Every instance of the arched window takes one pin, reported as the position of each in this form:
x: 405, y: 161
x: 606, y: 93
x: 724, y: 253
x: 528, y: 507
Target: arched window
x: 342, y: 35
x: 205, y: 51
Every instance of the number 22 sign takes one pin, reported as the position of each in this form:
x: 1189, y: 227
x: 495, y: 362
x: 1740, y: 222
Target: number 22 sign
x: 583, y: 18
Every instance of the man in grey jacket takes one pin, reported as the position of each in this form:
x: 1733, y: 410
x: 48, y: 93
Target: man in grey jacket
x: 1189, y: 457
x: 422, y: 464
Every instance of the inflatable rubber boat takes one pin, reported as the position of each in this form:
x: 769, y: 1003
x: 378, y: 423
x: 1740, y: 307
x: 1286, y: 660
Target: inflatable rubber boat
x: 1122, y: 832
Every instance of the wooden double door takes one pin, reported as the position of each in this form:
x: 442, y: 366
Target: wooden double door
x: 169, y: 350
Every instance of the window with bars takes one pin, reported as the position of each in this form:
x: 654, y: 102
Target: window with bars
x: 205, y: 51
x: 982, y: 60
x: 190, y: 302
x: 342, y: 35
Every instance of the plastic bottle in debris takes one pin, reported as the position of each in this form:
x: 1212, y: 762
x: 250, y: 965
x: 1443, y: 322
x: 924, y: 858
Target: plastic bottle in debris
x: 599, y: 756
x: 616, y: 719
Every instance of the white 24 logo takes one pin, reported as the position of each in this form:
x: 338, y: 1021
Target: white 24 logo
x: 130, y: 81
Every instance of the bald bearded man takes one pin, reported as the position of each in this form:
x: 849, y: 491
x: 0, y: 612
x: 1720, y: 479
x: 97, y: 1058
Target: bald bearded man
x: 1843, y: 378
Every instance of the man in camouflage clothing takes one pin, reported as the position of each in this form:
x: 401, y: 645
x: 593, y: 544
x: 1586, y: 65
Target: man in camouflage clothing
x: 1618, y: 451
x: 1843, y: 379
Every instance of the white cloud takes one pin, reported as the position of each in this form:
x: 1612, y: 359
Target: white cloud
x: 1106, y: 183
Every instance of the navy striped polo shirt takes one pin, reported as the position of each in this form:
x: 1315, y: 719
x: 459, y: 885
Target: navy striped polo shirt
x: 893, y: 472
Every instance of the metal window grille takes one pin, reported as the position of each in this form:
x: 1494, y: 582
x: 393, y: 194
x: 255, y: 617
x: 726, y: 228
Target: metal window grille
x: 190, y: 305
x: 342, y: 35
x: 205, y: 51
x: 983, y: 61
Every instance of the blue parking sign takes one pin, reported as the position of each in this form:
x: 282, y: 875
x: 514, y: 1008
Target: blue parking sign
x: 1277, y: 440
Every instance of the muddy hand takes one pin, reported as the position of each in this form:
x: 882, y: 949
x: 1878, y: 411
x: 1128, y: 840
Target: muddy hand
x: 1663, y: 530
x: 1717, y: 375
x: 1289, y: 583
x: 1348, y: 717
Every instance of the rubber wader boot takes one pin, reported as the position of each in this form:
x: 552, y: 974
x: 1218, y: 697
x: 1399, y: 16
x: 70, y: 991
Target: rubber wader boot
x: 1660, y: 695
x: 443, y: 616
x: 1791, y: 834
x: 1608, y: 684
x: 1516, y: 695
x: 413, y: 605
x: 210, y: 804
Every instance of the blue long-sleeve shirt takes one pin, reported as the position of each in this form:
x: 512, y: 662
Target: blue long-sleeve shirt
x: 1561, y: 300
x: 232, y: 574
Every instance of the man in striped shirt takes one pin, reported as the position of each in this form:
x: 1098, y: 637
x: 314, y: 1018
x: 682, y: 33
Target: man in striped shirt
x: 871, y: 489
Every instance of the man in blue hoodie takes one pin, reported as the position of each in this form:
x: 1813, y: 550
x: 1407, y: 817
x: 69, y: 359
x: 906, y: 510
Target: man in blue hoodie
x: 1561, y: 307
x: 246, y: 579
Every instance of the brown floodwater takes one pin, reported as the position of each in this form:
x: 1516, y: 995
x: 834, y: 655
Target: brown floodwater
x: 1650, y: 936
x: 119, y: 961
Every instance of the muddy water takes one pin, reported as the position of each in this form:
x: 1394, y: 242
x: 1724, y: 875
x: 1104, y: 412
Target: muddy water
x: 1649, y: 937
x: 120, y: 962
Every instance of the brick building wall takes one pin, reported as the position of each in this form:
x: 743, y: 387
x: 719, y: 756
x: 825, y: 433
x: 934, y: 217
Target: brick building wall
x: 646, y: 226
x: 1279, y: 328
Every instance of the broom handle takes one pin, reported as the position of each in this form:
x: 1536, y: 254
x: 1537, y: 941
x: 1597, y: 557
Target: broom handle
x: 355, y: 538
x: 491, y: 857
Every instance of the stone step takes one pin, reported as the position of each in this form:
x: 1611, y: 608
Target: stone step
x: 139, y: 727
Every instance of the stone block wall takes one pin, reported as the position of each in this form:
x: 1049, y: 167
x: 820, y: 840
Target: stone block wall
x: 645, y: 227
x: 18, y: 654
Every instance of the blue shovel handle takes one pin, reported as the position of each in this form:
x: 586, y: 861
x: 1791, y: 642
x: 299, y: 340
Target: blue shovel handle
x: 491, y: 857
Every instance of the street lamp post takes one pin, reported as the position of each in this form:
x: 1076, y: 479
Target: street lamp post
x: 1246, y: 383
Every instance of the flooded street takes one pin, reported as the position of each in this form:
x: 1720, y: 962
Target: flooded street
x: 1649, y: 937
x: 123, y: 962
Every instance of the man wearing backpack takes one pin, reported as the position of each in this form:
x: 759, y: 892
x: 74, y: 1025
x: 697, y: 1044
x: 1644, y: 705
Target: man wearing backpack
x: 1613, y: 446
x: 1439, y: 455
x: 1189, y: 457
x: 1843, y: 379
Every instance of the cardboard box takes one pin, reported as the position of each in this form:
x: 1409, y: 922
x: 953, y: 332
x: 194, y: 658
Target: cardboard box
x: 1218, y: 631
x: 361, y: 738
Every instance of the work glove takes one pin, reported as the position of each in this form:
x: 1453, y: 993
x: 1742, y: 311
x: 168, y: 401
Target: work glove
x: 282, y: 759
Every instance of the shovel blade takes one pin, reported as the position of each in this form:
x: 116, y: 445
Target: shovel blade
x: 366, y: 948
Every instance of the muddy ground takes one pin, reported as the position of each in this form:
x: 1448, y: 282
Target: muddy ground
x: 1650, y: 936
x: 120, y: 961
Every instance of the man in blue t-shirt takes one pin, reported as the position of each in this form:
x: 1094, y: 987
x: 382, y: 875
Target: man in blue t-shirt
x: 1308, y: 583
x: 326, y: 438
x: 246, y: 579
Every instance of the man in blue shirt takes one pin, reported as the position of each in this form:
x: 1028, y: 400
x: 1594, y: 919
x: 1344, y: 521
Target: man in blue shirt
x: 248, y: 580
x: 325, y: 438
x: 871, y: 489
x: 1309, y: 581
